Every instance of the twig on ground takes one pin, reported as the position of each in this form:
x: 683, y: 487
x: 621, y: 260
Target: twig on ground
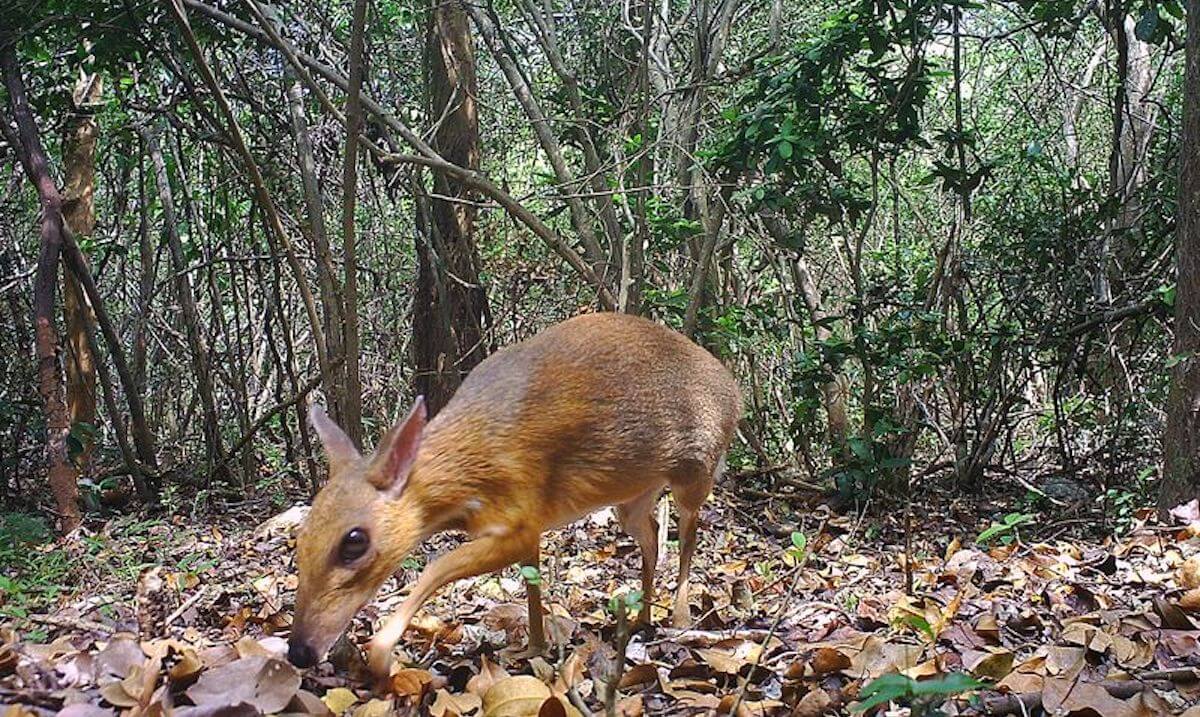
x: 72, y: 623
x: 183, y: 608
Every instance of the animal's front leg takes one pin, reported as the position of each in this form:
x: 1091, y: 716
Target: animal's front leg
x: 483, y: 555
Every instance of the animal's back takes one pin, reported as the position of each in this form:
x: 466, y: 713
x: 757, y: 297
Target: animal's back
x: 595, y: 406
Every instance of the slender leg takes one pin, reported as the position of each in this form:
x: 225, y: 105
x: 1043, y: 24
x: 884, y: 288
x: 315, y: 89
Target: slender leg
x: 483, y: 555
x: 689, y: 496
x: 533, y: 594
x: 637, y: 518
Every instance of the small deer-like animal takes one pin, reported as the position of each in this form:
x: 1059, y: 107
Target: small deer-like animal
x: 599, y: 410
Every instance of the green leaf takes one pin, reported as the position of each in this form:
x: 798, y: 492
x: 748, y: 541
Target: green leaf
x: 951, y: 684
x: 884, y: 689
x: 531, y: 574
x: 784, y: 149
x: 800, y: 540
x: 994, y: 530
x: 920, y: 623
x: 860, y: 448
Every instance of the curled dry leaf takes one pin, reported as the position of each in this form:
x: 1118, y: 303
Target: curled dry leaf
x: 638, y: 675
x: 1189, y: 572
x: 412, y: 683
x: 827, y: 660
x: 1190, y: 600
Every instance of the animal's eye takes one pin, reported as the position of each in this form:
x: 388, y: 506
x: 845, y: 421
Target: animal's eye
x: 354, y: 545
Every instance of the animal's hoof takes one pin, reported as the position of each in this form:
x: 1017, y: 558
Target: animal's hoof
x: 380, y: 665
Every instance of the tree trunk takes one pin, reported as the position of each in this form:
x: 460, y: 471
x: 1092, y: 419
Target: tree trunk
x: 61, y: 476
x: 351, y: 398
x: 451, y: 311
x: 187, y: 302
x: 331, y: 290
x: 1181, y: 444
x: 79, y: 182
x: 833, y: 392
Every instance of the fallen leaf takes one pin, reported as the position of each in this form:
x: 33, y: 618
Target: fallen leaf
x: 339, y: 699
x: 265, y: 682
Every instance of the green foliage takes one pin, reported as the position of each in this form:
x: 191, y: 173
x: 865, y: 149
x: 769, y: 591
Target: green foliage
x: 30, y: 575
x: 630, y: 602
x: 847, y: 92
x: 920, y: 695
x: 1007, y: 531
x: 531, y: 575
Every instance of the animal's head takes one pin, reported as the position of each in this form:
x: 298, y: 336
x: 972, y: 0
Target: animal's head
x: 359, y: 530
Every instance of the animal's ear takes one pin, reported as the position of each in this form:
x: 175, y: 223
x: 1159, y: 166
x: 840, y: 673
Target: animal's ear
x: 338, y: 446
x: 397, y: 451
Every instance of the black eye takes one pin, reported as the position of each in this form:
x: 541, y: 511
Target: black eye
x: 354, y: 545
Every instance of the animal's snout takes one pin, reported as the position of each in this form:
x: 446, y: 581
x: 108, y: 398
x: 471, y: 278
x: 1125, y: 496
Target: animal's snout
x: 300, y: 653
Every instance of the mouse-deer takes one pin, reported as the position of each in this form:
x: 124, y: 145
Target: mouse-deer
x: 599, y: 410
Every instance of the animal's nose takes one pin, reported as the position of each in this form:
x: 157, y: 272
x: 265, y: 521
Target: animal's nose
x: 300, y: 654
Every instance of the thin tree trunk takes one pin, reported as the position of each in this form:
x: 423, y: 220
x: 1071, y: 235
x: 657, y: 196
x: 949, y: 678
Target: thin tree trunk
x: 1181, y: 444
x: 351, y: 398
x: 634, y: 255
x: 833, y: 392
x: 327, y: 282
x: 427, y: 156
x: 61, y: 476
x: 580, y: 218
x: 187, y: 302
x: 263, y: 197
x: 451, y: 311
x: 79, y: 170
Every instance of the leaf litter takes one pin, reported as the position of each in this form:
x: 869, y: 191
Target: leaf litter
x: 1041, y: 625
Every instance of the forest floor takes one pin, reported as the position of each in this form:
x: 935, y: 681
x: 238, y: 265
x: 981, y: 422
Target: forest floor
x: 170, y: 616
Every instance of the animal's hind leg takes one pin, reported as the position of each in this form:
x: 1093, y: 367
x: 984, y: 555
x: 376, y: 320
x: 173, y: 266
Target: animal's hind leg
x: 689, y: 493
x: 637, y: 518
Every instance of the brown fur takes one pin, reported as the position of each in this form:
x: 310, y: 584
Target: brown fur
x: 602, y: 409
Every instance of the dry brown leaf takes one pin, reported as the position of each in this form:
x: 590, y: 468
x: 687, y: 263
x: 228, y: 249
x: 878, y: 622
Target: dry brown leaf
x: 489, y: 674
x: 638, y: 675
x: 1060, y: 696
x: 1190, y: 600
x: 1189, y: 572
x: 411, y: 682
x: 928, y: 668
x: 265, y: 682
x: 994, y: 663
x: 521, y: 696
x: 827, y: 659
x: 446, y: 704
x: 729, y: 656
